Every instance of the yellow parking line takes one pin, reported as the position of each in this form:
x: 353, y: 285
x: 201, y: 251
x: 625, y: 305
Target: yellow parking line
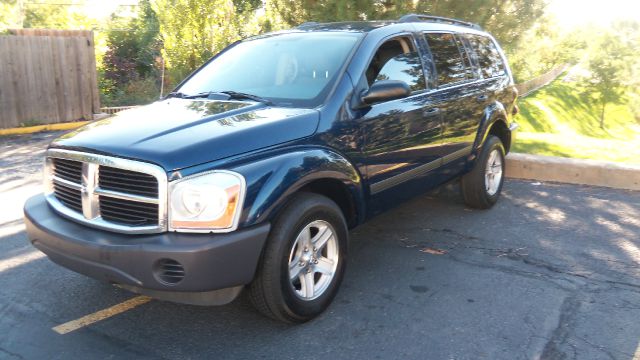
x: 101, y: 315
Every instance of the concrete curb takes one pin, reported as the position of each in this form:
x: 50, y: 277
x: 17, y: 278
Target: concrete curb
x: 38, y: 128
x: 573, y: 171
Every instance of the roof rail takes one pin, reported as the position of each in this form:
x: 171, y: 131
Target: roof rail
x: 305, y: 24
x: 438, y: 19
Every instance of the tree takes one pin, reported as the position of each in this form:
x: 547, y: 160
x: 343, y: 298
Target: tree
x: 9, y: 15
x: 505, y: 19
x: 609, y: 61
x: 130, y: 70
x: 49, y: 14
x: 192, y: 30
x: 133, y: 46
x: 543, y: 47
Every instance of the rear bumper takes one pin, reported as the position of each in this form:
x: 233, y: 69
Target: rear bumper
x: 513, y: 127
x: 210, y: 261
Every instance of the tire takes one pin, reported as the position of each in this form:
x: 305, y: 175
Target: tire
x: 481, y: 189
x: 272, y: 291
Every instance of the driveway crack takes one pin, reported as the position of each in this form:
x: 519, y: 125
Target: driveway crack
x: 10, y: 354
x: 561, y: 334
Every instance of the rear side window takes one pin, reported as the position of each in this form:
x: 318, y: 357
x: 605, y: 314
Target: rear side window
x: 487, y: 56
x: 470, y: 71
x: 448, y: 58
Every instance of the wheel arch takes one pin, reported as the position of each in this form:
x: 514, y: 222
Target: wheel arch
x: 494, y: 122
x: 274, y: 181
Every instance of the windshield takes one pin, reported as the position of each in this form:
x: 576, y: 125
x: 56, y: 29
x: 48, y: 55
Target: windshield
x: 292, y: 69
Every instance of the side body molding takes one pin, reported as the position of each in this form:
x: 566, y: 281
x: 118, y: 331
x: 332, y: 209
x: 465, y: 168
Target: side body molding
x: 272, y: 180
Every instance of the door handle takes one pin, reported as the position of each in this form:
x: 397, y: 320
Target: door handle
x: 431, y: 112
x: 482, y: 98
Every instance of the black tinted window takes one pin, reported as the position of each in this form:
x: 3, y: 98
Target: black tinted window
x: 487, y: 56
x: 470, y: 73
x: 397, y: 59
x: 448, y: 60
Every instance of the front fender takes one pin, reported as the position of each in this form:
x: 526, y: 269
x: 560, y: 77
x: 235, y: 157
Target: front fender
x: 492, y: 113
x: 272, y: 180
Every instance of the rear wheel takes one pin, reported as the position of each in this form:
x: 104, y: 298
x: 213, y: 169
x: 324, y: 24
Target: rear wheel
x: 303, y: 262
x: 482, y: 186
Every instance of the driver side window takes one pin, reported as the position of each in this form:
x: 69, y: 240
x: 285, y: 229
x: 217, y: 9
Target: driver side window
x: 397, y: 59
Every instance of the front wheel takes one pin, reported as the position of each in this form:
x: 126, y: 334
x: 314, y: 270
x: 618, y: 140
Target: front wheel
x: 303, y: 261
x: 482, y: 186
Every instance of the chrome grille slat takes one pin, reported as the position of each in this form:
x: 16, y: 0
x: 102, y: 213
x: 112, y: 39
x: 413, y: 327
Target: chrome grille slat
x: 125, y: 196
x: 66, y: 183
x: 106, y: 192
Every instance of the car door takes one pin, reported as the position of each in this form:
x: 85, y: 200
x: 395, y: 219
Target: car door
x: 401, y: 135
x: 459, y: 95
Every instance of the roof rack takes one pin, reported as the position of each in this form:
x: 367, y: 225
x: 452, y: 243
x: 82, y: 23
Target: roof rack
x: 305, y: 24
x: 438, y: 19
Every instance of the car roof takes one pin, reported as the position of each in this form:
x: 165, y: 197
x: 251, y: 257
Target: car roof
x: 373, y: 26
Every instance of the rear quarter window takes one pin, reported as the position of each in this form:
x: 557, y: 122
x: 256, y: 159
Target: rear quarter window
x: 487, y: 56
x: 449, y: 56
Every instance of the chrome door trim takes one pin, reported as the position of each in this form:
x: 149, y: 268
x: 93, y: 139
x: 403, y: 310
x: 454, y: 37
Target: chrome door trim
x: 418, y: 171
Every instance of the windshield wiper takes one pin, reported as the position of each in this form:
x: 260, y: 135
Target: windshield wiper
x: 228, y: 94
x: 241, y: 95
x: 191, y: 96
x: 176, y: 94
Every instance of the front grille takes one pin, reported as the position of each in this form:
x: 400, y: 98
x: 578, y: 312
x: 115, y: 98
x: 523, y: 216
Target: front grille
x: 68, y: 169
x: 128, y: 181
x: 128, y: 212
x: 106, y: 192
x: 70, y: 197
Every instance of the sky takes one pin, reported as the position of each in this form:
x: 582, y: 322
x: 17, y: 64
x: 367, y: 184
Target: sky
x: 572, y: 13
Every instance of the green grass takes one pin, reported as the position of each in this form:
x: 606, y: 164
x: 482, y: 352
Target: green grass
x: 559, y: 120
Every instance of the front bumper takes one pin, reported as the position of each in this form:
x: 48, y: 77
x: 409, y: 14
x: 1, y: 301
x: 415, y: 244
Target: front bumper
x: 214, y: 264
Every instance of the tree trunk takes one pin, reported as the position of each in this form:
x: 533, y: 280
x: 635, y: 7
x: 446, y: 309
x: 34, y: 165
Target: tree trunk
x: 604, y: 106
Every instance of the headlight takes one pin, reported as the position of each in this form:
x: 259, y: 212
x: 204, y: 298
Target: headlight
x: 206, y: 202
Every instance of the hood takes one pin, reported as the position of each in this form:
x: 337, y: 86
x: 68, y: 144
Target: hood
x: 178, y: 133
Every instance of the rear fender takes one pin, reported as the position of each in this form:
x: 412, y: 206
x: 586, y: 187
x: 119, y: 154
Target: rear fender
x: 492, y: 113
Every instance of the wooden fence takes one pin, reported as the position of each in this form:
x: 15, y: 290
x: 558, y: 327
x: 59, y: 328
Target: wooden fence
x: 47, y: 76
x: 532, y: 85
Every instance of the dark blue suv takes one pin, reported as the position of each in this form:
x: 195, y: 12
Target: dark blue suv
x: 250, y: 174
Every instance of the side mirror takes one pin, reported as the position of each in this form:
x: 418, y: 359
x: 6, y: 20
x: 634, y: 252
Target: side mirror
x: 385, y: 90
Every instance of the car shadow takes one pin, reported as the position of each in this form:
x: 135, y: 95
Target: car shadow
x: 430, y: 275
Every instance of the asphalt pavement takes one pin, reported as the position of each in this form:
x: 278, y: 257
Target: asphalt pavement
x: 551, y: 272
